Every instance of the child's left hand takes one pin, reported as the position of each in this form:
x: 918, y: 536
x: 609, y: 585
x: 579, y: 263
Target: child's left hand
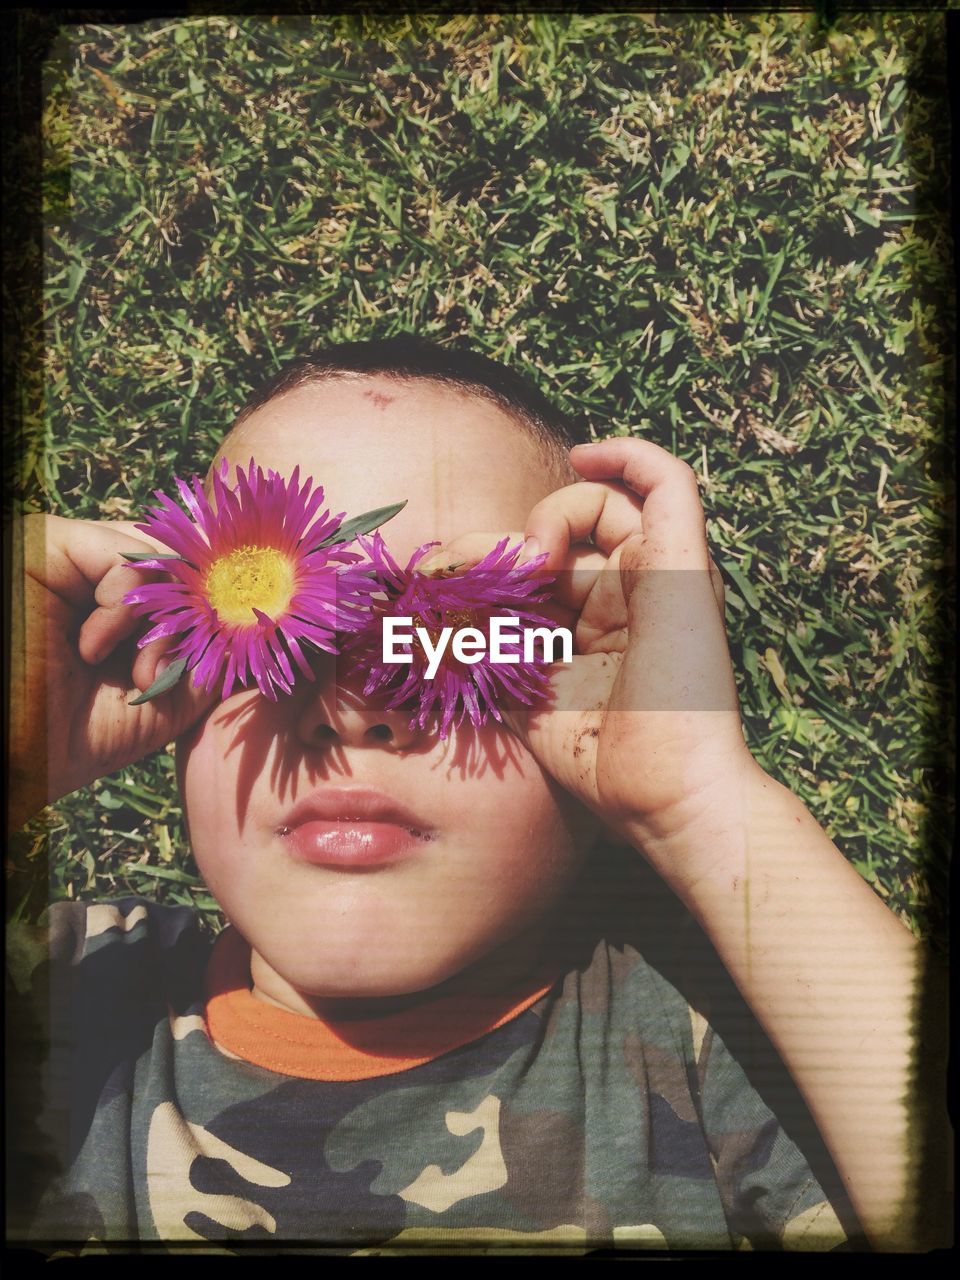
x: 644, y: 725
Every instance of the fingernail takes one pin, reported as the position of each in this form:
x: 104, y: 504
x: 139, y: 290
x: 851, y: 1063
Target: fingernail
x: 161, y: 667
x: 531, y: 549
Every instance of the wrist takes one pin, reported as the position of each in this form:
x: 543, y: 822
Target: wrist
x: 702, y: 837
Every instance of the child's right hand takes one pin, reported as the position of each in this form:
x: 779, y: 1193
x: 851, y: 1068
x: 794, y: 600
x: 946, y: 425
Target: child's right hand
x: 75, y: 665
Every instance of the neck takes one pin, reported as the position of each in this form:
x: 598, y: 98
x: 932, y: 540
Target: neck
x: 503, y: 970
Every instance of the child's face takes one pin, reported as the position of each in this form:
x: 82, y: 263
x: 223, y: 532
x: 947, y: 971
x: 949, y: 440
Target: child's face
x: 506, y: 842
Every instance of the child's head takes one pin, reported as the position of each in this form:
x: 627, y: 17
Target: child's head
x: 472, y: 449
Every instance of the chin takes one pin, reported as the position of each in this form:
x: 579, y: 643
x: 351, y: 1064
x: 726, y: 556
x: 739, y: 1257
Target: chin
x: 371, y: 977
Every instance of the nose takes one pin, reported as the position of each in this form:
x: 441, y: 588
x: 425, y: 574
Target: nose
x: 337, y: 714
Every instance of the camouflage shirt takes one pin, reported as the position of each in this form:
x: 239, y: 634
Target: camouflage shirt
x: 602, y: 1111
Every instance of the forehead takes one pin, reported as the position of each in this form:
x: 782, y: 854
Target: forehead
x: 462, y: 464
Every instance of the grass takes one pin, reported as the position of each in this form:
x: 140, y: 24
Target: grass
x: 727, y: 234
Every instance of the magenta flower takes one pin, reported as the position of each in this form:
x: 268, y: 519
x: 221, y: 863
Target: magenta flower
x: 252, y: 583
x: 495, y: 587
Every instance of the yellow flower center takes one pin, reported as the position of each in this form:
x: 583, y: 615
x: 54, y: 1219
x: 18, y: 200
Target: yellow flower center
x: 248, y: 578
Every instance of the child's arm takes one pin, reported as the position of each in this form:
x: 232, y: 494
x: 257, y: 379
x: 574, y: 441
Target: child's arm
x: 837, y: 982
x: 645, y: 729
x: 74, y: 664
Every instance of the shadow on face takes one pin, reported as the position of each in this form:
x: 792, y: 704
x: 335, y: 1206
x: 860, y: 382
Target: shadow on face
x: 507, y: 841
x: 307, y: 741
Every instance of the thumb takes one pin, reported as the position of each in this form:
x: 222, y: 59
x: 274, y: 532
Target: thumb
x: 654, y: 569
x: 634, y: 560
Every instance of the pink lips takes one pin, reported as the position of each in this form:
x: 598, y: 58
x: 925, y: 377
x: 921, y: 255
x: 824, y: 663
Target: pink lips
x: 352, y: 827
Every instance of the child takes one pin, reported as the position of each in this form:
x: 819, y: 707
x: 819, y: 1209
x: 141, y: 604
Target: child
x: 505, y: 1037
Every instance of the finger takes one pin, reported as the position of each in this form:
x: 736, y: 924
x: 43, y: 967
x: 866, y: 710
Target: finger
x: 118, y: 581
x: 72, y: 557
x: 673, y: 533
x: 604, y: 514
x: 570, y: 588
x: 573, y: 582
x: 129, y: 528
x: 113, y: 621
x: 678, y: 648
x: 103, y: 631
x: 585, y: 570
x: 150, y: 662
x: 144, y: 728
x: 466, y: 551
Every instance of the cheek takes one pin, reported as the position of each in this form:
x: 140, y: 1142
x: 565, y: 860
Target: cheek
x: 528, y: 829
x: 216, y: 764
x: 210, y: 818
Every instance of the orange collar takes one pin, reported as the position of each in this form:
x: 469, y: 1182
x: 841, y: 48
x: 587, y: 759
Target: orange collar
x: 292, y: 1044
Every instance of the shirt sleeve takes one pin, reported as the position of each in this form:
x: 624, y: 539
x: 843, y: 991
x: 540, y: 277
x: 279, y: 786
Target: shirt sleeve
x: 771, y: 1197
x: 35, y: 1124
x: 84, y: 989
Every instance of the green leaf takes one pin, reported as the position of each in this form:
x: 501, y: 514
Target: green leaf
x: 135, y: 556
x: 162, y: 873
x: 866, y: 215
x: 162, y: 683
x: 776, y: 266
x: 608, y: 208
x: 366, y: 523
x: 75, y: 277
x: 743, y: 582
x: 876, y: 388
x: 678, y: 158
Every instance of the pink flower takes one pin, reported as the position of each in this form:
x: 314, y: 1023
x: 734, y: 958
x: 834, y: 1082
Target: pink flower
x: 495, y: 587
x: 253, y: 586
